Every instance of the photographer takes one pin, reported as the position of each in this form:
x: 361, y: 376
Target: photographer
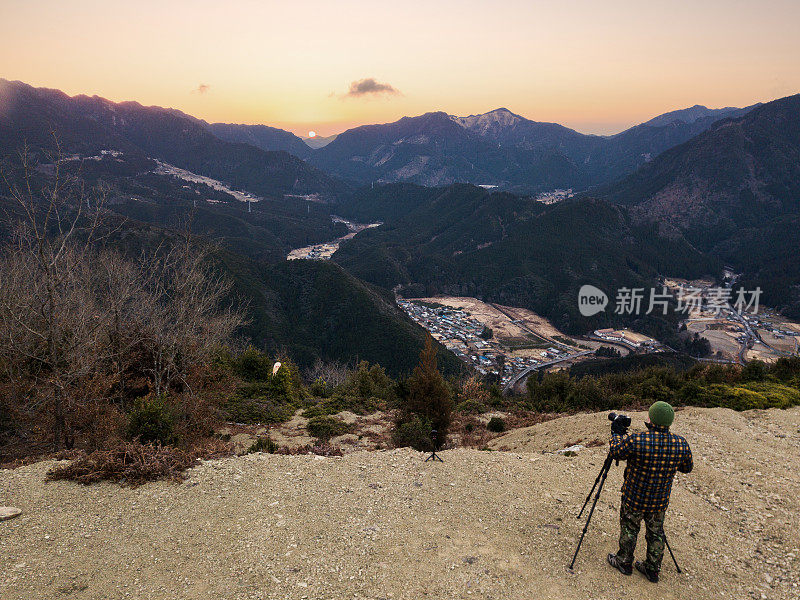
x: 653, y: 457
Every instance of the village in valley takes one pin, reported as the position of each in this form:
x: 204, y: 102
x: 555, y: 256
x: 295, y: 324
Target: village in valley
x: 508, y: 342
x: 736, y: 333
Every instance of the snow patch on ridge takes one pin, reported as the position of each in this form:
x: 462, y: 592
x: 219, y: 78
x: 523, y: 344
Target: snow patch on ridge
x: 500, y: 118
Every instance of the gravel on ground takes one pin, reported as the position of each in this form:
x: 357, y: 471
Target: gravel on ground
x: 387, y: 525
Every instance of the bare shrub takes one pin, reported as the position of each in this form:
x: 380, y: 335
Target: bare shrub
x: 332, y: 374
x: 49, y: 321
x: 133, y: 463
x: 320, y: 449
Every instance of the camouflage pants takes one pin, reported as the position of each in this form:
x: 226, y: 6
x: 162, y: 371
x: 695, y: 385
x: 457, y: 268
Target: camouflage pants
x: 630, y: 522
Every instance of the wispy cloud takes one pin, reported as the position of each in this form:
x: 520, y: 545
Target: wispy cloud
x: 370, y: 87
x: 201, y: 89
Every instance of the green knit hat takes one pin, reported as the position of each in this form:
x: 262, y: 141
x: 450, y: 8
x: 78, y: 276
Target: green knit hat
x: 661, y: 414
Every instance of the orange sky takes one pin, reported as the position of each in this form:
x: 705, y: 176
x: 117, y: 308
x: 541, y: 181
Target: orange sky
x: 596, y: 66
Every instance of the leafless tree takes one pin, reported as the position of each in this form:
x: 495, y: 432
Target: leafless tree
x: 181, y: 321
x: 72, y: 313
x: 333, y: 374
x: 49, y: 319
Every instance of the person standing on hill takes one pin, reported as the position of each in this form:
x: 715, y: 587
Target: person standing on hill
x: 653, y: 457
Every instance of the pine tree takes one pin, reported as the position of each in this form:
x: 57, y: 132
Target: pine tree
x: 428, y: 394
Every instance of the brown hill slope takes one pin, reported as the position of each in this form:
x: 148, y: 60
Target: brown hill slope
x: 387, y: 525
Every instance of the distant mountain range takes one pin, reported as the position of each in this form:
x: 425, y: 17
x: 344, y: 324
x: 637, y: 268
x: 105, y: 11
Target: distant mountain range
x: 86, y: 125
x: 504, y: 149
x: 318, y: 141
x: 264, y: 137
x: 497, y: 148
x: 268, y: 138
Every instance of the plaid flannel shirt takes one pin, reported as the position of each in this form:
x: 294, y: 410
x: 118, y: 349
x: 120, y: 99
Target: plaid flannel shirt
x: 653, y: 457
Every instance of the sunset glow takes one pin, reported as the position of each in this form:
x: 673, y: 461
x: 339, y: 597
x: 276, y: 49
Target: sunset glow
x: 323, y: 67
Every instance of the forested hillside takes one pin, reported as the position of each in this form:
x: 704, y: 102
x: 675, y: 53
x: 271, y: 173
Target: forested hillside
x: 733, y: 191
x: 304, y: 310
x: 516, y: 251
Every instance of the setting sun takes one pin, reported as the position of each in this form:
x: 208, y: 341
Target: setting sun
x: 312, y: 134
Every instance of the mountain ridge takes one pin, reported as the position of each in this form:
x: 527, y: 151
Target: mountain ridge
x: 734, y: 191
x: 85, y: 125
x: 498, y: 148
x: 502, y: 148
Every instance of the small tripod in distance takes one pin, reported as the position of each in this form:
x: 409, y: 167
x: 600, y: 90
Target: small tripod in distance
x: 434, y: 457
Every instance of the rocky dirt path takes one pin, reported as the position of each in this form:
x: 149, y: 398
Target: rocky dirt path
x: 387, y: 525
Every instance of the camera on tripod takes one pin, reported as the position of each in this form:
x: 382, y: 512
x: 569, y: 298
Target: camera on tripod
x: 619, y: 423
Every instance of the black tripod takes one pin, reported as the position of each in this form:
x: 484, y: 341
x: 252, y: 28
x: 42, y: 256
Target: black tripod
x: 434, y: 457
x: 598, y: 483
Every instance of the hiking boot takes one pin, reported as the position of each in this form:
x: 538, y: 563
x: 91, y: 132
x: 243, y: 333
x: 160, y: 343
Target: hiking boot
x: 624, y: 568
x: 652, y: 576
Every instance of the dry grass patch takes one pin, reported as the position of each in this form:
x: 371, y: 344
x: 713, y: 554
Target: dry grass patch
x: 133, y: 463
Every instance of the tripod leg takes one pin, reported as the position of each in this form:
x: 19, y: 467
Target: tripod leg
x: 434, y: 457
x: 672, y: 554
x: 602, y: 480
x: 604, y: 469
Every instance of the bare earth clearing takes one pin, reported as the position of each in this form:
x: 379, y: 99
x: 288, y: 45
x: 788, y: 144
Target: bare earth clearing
x: 387, y: 525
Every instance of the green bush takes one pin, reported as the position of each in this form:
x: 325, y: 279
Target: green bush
x: 787, y: 369
x: 755, y: 370
x: 263, y: 444
x: 415, y: 433
x: 272, y: 400
x: 324, y: 427
x: 320, y: 389
x: 471, y: 406
x: 496, y: 424
x: 369, y: 381
x: 152, y: 420
x: 258, y: 410
x: 338, y: 403
x: 253, y: 365
x: 748, y: 396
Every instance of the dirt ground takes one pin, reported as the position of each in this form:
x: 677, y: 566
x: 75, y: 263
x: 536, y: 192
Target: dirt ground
x: 761, y: 352
x: 677, y: 282
x: 784, y: 344
x: 534, y: 322
x: 386, y: 524
x: 720, y: 340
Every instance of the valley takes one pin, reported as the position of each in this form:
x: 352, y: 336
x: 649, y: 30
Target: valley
x: 325, y: 250
x: 735, y: 334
